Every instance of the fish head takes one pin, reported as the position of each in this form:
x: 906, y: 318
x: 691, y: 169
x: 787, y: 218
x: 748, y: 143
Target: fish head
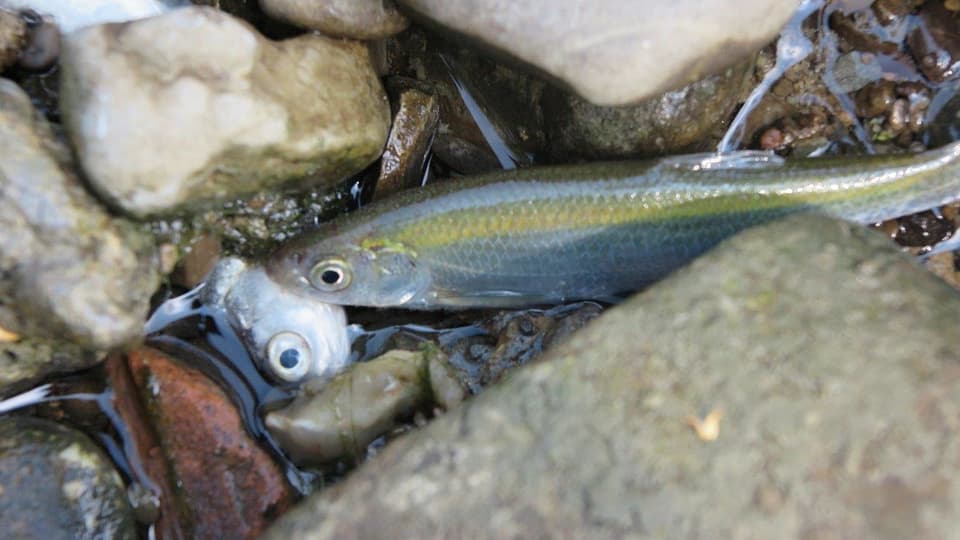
x: 292, y: 335
x: 371, y: 272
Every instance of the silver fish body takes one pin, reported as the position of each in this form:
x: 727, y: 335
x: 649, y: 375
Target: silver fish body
x: 552, y: 234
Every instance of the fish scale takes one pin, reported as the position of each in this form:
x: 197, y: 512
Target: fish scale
x: 551, y: 234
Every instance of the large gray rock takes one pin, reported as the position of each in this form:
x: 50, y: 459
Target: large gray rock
x: 613, y: 52
x: 56, y: 484
x: 834, y: 362
x: 194, y: 105
x: 68, y: 270
x: 359, y: 19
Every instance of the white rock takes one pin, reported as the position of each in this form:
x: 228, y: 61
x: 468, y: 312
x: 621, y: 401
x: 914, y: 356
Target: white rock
x: 359, y: 19
x: 73, y: 14
x: 614, y: 52
x: 195, y: 105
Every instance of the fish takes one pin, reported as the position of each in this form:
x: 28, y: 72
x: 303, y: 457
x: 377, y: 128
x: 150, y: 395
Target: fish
x: 548, y: 235
x: 291, y: 336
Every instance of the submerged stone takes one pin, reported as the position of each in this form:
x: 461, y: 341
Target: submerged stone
x: 228, y: 486
x: 340, y: 419
x: 817, y: 364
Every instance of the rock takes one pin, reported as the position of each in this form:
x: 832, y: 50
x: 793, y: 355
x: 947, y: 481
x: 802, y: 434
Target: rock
x: 358, y: 19
x: 68, y: 270
x: 228, y: 486
x: 828, y: 364
x: 344, y: 416
x: 946, y: 266
x: 153, y: 495
x: 505, y: 99
x: 854, y: 70
x: 253, y: 226
x: 935, y: 42
x: 202, y: 108
x: 26, y: 361
x: 56, y: 484
x: 611, y: 52
x: 445, y: 387
x: 681, y: 121
x: 404, y: 158
x: 13, y: 37
x: 43, y: 44
x: 514, y: 338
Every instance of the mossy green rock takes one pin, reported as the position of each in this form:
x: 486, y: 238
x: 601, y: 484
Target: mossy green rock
x: 833, y: 358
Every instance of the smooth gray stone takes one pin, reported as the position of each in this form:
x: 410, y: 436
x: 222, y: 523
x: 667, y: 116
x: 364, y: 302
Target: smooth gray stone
x: 832, y: 357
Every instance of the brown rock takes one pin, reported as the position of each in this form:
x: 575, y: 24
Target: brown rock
x: 414, y: 126
x: 230, y: 486
x: 13, y: 35
x: 146, y: 448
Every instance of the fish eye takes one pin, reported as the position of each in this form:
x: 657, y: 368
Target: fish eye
x: 331, y: 275
x: 288, y: 356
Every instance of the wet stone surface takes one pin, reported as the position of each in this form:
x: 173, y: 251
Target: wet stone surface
x: 228, y: 487
x: 340, y: 419
x: 56, y: 484
x: 404, y: 158
x: 254, y: 226
x: 828, y: 407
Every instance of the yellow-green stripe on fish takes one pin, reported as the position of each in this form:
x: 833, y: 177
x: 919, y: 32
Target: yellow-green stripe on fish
x: 552, y: 234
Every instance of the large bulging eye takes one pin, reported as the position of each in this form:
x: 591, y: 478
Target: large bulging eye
x: 331, y: 275
x: 288, y: 356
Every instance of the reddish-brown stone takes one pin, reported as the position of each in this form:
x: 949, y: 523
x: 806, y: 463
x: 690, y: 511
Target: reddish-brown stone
x: 146, y: 448
x: 230, y: 484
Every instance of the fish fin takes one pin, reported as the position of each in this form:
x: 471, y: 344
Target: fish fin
x: 743, y: 159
